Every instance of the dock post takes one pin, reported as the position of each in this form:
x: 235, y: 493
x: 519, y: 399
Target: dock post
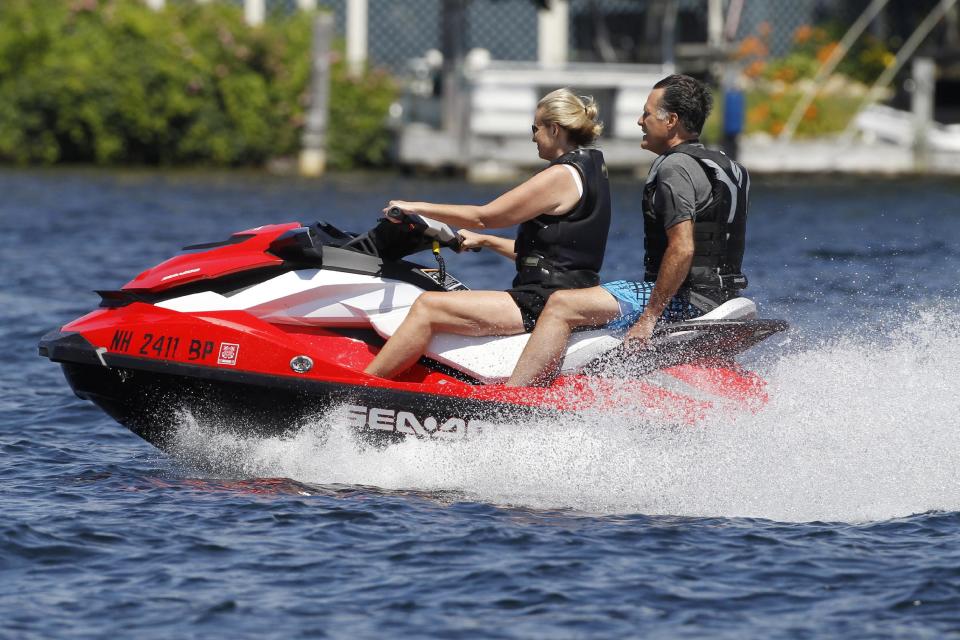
x: 734, y: 114
x: 553, y: 25
x: 254, y: 12
x: 313, y: 153
x: 454, y: 101
x: 357, y: 29
x: 924, y: 76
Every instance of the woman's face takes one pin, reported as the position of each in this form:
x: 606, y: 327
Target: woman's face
x: 544, y: 135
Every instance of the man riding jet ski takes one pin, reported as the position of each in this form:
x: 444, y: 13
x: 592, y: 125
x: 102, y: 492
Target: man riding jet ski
x: 275, y: 325
x: 695, y: 204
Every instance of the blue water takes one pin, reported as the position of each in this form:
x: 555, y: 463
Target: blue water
x: 834, y: 512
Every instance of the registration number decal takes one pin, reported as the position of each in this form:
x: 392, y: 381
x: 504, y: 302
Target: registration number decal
x: 158, y: 345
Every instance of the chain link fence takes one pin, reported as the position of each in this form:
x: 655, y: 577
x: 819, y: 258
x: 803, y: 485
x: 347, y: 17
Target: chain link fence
x: 602, y: 30
x: 778, y: 20
x: 399, y: 31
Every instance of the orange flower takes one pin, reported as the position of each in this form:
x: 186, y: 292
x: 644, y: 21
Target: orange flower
x: 758, y: 114
x: 824, y: 52
x: 755, y: 69
x: 776, y: 127
x: 803, y: 33
x: 811, y: 113
x: 785, y: 74
x: 751, y: 46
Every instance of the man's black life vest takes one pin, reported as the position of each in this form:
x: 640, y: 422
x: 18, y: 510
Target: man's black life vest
x: 566, y: 251
x: 719, y: 226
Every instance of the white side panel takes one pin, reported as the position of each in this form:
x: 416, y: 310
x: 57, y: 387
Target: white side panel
x: 735, y: 309
x: 309, y: 296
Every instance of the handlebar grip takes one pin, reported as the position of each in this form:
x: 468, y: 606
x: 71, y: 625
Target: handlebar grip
x: 396, y: 213
x: 459, y: 245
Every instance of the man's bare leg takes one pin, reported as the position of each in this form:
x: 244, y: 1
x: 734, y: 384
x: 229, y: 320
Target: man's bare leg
x: 469, y: 313
x: 565, y: 311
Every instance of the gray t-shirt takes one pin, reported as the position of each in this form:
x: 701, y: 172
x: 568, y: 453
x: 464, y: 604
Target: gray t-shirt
x: 682, y: 188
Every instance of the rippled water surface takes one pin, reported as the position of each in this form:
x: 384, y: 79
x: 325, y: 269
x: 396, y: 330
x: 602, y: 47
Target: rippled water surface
x: 834, y: 512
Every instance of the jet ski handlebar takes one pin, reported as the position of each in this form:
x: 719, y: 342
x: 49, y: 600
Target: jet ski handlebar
x: 429, y: 228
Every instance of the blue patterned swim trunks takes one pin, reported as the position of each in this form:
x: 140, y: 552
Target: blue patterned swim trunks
x: 633, y: 296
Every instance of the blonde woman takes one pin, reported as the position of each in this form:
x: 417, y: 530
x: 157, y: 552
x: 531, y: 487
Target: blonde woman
x: 564, y: 216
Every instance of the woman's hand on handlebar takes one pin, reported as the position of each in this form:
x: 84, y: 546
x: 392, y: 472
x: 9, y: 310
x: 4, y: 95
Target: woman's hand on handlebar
x: 389, y: 211
x: 471, y: 241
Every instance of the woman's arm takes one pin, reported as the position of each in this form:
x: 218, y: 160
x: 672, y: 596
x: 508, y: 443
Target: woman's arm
x: 551, y: 192
x: 503, y: 246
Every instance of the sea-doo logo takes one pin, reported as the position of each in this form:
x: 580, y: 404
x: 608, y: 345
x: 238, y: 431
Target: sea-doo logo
x: 405, y: 422
x: 228, y: 353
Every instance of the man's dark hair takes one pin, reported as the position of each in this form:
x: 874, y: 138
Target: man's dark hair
x: 688, y: 98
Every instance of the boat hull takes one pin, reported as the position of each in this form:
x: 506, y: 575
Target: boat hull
x: 154, y: 403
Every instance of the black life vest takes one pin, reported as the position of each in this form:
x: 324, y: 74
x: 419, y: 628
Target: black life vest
x: 719, y: 226
x: 566, y: 251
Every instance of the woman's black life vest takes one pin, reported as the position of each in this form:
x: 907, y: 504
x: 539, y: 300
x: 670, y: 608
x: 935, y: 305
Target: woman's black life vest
x: 719, y: 226
x: 566, y: 251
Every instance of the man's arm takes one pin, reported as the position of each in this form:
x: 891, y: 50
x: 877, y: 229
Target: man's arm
x: 673, y: 271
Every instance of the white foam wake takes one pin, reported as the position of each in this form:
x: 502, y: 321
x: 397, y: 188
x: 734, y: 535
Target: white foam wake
x: 863, y: 428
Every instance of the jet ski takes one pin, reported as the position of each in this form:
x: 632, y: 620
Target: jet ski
x: 266, y: 330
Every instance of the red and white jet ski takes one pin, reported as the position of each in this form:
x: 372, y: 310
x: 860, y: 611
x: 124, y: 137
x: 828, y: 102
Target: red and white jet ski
x: 275, y: 325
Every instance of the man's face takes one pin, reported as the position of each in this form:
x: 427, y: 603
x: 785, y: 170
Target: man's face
x: 656, y: 131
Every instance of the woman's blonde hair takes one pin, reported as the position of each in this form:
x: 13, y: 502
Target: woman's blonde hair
x: 576, y: 114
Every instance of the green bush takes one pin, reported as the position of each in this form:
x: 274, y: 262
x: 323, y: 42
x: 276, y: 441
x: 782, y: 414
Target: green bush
x: 358, y: 109
x: 110, y: 81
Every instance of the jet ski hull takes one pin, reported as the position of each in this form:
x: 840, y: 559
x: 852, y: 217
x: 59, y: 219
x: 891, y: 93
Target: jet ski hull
x: 154, y: 398
x: 154, y: 404
x: 273, y: 328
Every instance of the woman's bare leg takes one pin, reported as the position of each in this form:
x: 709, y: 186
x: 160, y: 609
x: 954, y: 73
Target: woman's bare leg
x: 565, y: 311
x: 468, y: 313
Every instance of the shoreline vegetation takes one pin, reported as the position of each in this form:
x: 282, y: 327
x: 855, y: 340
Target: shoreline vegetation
x: 113, y: 83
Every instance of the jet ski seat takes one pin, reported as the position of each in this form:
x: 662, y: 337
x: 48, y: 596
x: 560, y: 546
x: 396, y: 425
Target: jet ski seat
x: 491, y: 359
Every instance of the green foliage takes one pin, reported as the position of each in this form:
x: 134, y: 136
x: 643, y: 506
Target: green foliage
x: 768, y: 112
x: 357, y: 112
x: 867, y: 60
x: 812, y: 47
x: 776, y: 84
x: 110, y: 81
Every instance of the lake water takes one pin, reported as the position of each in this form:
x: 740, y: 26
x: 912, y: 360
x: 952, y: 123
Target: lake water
x: 834, y: 512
